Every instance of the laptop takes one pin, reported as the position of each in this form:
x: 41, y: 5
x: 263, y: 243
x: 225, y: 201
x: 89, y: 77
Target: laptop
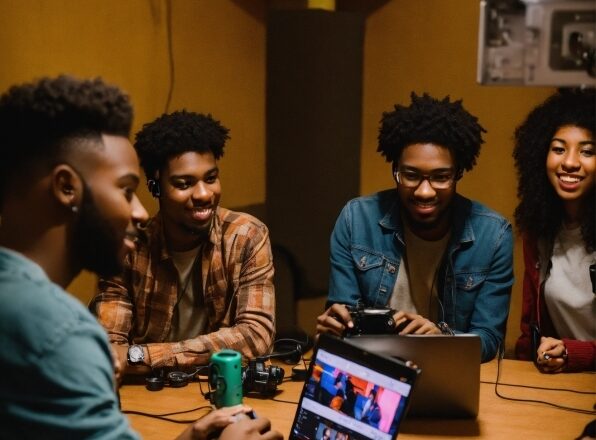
x: 351, y: 393
x: 449, y: 383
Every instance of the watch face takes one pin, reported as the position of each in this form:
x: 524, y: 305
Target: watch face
x: 135, y: 353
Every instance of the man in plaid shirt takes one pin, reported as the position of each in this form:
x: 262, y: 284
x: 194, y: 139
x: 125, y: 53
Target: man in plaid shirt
x: 201, y: 278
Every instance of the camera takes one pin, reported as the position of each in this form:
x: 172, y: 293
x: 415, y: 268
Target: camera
x: 537, y: 42
x: 256, y: 376
x: 371, y: 321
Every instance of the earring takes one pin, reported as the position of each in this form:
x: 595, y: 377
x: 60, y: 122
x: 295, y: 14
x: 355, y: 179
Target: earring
x: 74, y: 209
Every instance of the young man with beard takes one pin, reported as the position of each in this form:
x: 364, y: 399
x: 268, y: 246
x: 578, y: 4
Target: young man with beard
x: 443, y: 262
x: 68, y: 177
x: 200, y: 279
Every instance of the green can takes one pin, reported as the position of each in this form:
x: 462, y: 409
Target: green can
x: 225, y: 378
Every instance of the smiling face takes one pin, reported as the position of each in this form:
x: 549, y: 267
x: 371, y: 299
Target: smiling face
x: 426, y: 209
x: 110, y: 210
x: 571, y: 165
x: 190, y: 194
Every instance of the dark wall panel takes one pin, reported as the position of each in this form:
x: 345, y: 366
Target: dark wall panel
x: 314, y: 102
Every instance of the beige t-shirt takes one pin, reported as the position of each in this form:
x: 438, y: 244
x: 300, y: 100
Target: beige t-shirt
x: 189, y: 318
x: 415, y: 289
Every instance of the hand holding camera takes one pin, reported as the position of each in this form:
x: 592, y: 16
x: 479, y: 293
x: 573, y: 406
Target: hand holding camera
x: 369, y: 320
x: 342, y: 320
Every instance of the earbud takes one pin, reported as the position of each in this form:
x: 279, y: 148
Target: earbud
x: 153, y: 187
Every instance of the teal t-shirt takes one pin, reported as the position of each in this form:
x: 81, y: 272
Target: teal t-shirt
x: 56, y: 374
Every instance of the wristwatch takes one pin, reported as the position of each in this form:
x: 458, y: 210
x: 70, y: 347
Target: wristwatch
x: 136, y: 355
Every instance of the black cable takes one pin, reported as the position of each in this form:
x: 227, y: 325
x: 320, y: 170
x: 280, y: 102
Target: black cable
x: 543, y: 402
x: 164, y: 416
x: 568, y: 390
x: 284, y: 401
x: 170, y: 53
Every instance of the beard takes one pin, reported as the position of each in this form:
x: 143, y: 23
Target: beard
x: 96, y: 244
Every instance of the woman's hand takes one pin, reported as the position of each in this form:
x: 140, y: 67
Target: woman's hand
x: 551, y: 355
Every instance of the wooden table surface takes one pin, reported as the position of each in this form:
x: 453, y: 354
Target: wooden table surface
x: 498, y: 418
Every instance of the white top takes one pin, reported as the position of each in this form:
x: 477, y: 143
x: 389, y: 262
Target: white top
x: 568, y: 290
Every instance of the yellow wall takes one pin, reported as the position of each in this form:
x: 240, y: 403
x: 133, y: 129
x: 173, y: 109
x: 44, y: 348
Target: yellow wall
x: 219, y: 54
x: 219, y: 61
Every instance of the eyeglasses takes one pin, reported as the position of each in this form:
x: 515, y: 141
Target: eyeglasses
x: 412, y: 179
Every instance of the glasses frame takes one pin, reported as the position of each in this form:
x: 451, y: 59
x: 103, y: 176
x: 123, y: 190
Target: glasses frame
x: 454, y: 178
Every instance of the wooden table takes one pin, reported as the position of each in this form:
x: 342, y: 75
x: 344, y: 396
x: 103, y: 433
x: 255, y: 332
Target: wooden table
x: 497, y: 419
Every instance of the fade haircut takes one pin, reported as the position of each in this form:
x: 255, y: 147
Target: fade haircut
x: 42, y: 120
x: 177, y: 133
x: 429, y: 120
x: 539, y: 213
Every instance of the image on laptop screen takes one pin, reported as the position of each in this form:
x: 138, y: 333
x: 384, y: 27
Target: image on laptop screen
x: 352, y: 394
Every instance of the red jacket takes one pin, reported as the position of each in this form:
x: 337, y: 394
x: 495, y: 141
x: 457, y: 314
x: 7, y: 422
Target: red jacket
x: 581, y: 354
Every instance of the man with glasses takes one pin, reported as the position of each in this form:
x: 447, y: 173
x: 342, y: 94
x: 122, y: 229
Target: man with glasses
x: 441, y: 261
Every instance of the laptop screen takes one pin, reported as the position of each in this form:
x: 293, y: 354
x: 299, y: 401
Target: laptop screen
x: 352, y: 394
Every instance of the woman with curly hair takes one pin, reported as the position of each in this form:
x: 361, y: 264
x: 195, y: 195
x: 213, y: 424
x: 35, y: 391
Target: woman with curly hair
x: 554, y: 157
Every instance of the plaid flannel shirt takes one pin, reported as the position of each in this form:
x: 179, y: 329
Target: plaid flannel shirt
x: 237, y: 273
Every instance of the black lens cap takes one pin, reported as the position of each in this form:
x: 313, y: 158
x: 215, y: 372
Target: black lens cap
x: 154, y: 383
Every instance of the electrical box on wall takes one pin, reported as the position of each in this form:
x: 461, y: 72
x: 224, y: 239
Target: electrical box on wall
x: 537, y: 42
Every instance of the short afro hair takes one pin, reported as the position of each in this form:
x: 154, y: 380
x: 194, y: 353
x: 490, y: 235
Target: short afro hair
x: 539, y: 213
x: 429, y: 120
x: 177, y: 133
x: 38, y: 119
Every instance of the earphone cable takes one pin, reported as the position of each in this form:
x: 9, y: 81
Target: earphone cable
x: 501, y: 354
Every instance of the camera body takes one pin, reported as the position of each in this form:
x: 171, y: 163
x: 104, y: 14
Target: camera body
x: 369, y: 320
x: 258, y: 377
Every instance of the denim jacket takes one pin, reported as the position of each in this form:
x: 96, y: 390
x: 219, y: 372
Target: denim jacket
x: 475, y: 277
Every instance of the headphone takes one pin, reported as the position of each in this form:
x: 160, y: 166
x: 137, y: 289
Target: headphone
x: 153, y: 187
x: 291, y: 352
x: 288, y: 350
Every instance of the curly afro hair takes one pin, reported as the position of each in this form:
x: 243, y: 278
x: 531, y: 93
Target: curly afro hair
x: 38, y: 119
x: 177, y: 133
x: 429, y: 120
x: 540, y: 210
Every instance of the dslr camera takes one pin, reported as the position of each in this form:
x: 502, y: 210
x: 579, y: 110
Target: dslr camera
x: 368, y: 320
x: 260, y: 378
